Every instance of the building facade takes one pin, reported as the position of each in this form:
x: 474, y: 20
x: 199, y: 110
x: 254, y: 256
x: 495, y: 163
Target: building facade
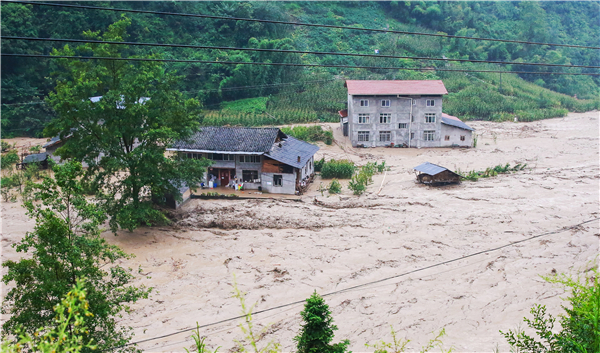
x: 396, y: 113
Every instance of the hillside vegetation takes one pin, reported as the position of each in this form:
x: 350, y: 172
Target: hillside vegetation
x: 269, y: 95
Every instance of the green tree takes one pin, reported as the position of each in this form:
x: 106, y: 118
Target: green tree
x: 580, y: 325
x: 9, y: 159
x: 66, y: 335
x: 123, y: 135
x: 317, y: 332
x: 66, y: 245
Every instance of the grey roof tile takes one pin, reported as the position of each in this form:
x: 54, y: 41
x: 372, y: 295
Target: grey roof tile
x: 289, y: 149
x: 456, y: 123
x: 35, y: 158
x: 230, y: 139
x: 430, y: 168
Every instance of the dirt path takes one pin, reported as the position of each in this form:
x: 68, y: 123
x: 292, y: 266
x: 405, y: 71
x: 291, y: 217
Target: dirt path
x: 281, y: 250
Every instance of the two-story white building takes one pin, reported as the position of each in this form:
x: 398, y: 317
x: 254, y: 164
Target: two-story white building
x: 401, y: 113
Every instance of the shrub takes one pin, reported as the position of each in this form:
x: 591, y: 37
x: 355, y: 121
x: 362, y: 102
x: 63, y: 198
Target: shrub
x: 317, y: 331
x: 9, y: 159
x: 335, y: 187
x: 319, y: 164
x: 6, y: 146
x: 35, y: 149
x: 342, y: 169
x: 580, y: 325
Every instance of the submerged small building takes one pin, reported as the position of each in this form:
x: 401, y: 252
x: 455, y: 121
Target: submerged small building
x: 264, y: 159
x: 430, y: 173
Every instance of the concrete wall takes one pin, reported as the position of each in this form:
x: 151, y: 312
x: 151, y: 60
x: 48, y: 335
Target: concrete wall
x: 454, y: 134
x: 400, y: 110
x: 288, y: 185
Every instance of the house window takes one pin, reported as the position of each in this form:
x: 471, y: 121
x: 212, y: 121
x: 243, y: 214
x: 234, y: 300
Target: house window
x: 277, y: 180
x: 430, y: 117
x: 363, y: 118
x: 363, y: 136
x: 250, y: 159
x: 412, y: 135
x: 194, y: 155
x: 403, y: 126
x: 364, y: 102
x: 462, y: 137
x: 385, y: 136
x: 221, y: 157
x: 385, y: 103
x: 385, y: 118
x: 430, y: 102
x: 447, y: 138
x: 428, y: 135
x: 250, y: 176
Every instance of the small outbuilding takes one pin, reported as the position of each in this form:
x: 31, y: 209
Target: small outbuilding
x: 41, y: 159
x: 429, y: 173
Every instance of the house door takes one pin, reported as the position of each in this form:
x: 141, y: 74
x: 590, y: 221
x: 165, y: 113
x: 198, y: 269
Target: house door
x: 224, y: 177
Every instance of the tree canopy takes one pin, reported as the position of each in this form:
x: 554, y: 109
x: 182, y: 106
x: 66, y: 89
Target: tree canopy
x: 118, y: 117
x: 64, y: 246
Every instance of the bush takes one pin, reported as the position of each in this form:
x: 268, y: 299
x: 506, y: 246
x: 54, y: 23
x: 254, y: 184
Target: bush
x: 580, y: 325
x: 335, y: 187
x: 9, y: 159
x: 310, y: 133
x: 342, y: 169
x: 319, y: 164
x: 35, y: 149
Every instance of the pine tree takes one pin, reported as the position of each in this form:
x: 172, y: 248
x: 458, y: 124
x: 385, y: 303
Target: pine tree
x: 317, y: 332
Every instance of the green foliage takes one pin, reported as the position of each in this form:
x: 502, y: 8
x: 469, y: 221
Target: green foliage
x: 317, y: 330
x: 247, y: 327
x: 199, y: 342
x: 474, y: 175
x: 9, y: 159
x: 309, y: 133
x: 341, y: 169
x: 7, y: 146
x: 319, y: 164
x: 364, y: 177
x: 35, y: 149
x: 398, y: 345
x: 67, y: 333
x: 65, y: 245
x: 123, y: 136
x: 334, y: 187
x: 580, y: 324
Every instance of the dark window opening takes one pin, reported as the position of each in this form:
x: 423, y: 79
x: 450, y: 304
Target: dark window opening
x: 277, y: 180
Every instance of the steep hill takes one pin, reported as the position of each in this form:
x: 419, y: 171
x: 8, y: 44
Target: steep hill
x: 305, y: 94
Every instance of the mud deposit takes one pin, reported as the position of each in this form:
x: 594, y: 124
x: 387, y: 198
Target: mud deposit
x: 283, y: 250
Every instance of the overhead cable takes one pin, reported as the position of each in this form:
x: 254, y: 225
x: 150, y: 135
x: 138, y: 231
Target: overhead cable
x: 564, y: 229
x: 297, y: 24
x: 290, y: 64
x: 288, y: 51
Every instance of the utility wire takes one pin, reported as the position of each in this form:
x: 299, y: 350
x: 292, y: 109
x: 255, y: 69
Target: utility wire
x: 292, y: 64
x: 564, y: 229
x: 287, y: 51
x: 297, y: 24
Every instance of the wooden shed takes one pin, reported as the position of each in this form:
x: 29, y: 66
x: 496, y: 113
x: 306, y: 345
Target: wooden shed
x: 429, y: 173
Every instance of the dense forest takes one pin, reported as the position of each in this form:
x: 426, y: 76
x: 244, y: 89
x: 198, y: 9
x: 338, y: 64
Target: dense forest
x: 264, y: 95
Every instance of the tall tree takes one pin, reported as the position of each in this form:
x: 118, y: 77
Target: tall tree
x: 64, y: 246
x: 317, y: 332
x: 122, y: 135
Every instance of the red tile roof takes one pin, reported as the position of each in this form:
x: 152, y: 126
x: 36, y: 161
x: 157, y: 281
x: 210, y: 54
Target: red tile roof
x: 444, y: 115
x: 404, y: 87
x: 343, y: 113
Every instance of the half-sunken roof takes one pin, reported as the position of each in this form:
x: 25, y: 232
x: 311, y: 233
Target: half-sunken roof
x: 389, y: 87
x: 454, y: 121
x: 35, y: 158
x: 289, y: 149
x: 430, y: 168
x: 230, y: 140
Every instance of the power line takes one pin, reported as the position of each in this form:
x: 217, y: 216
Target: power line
x: 289, y: 51
x: 292, y: 64
x: 299, y: 24
x: 564, y: 229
